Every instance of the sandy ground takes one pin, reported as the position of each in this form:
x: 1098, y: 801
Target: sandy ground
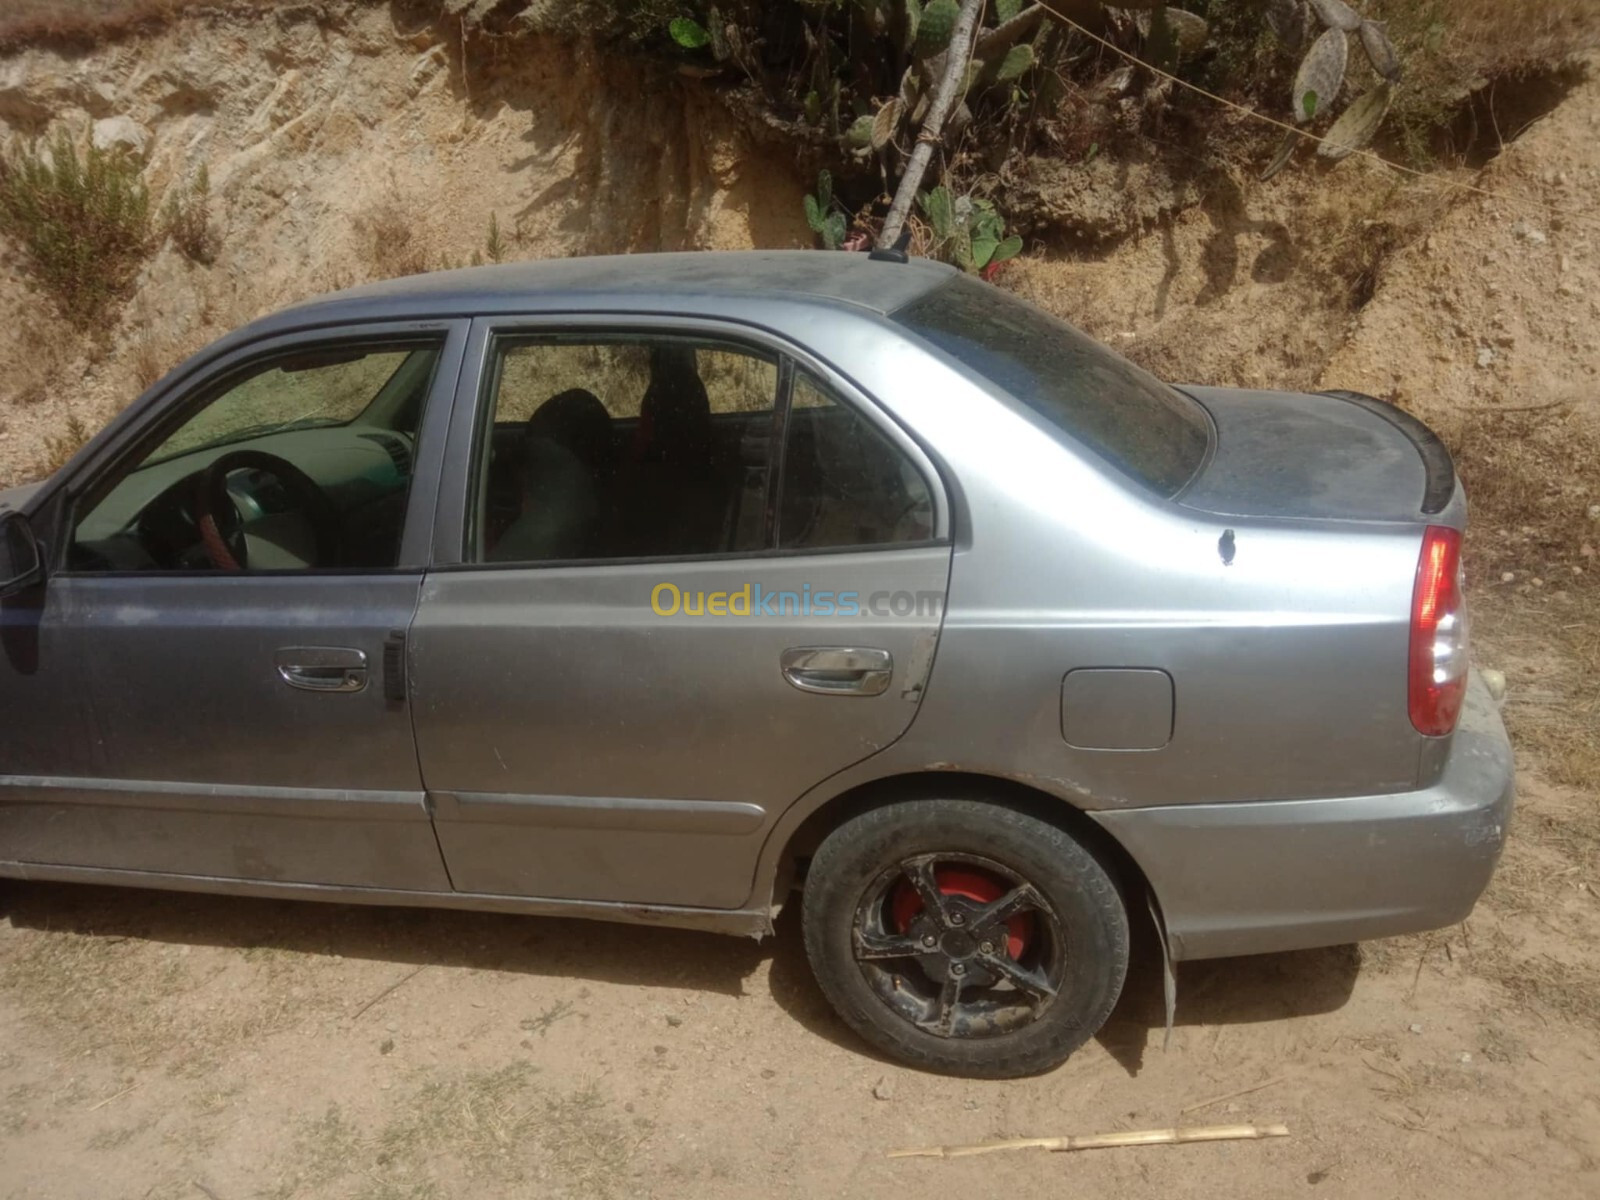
x: 157, y: 1045
x: 182, y: 1046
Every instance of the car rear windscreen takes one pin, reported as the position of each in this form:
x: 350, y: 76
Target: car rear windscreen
x: 1099, y: 399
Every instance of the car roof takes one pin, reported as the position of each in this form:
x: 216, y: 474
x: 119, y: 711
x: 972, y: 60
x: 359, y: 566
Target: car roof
x: 636, y: 282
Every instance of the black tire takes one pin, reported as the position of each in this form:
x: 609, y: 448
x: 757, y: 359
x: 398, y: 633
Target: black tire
x: 1072, y: 960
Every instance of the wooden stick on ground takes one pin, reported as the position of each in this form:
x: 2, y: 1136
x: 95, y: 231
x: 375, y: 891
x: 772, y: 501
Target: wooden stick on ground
x: 1104, y: 1141
x: 406, y: 978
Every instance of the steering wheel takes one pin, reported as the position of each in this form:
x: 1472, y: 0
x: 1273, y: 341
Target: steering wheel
x: 222, y: 528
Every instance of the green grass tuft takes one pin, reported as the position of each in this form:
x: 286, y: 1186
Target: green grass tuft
x: 82, y: 221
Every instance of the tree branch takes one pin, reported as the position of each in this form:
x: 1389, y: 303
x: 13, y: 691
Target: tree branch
x: 944, y: 96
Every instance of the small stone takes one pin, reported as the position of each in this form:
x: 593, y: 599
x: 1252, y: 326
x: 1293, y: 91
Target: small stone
x: 1571, y: 291
x: 1508, y: 577
x: 883, y: 1089
x: 1495, y: 681
x: 1465, y: 1057
x: 386, y: 1046
x: 1594, y: 512
x: 1536, y: 581
x: 768, y: 1073
x: 1415, y: 1027
x: 674, y: 1021
x: 1485, y: 357
x: 1529, y: 234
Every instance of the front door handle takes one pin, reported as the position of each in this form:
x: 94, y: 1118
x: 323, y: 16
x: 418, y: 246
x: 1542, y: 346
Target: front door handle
x: 322, y: 668
x: 838, y: 670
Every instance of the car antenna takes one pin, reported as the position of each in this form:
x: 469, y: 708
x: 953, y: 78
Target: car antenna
x: 895, y: 253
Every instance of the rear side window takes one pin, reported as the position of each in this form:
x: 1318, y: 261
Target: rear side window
x: 844, y: 483
x: 629, y: 446
x: 1125, y: 415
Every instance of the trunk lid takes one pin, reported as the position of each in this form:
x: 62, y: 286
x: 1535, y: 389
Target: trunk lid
x: 1334, y: 456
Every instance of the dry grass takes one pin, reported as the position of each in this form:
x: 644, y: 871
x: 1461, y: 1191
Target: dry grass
x: 34, y: 354
x: 139, y: 1004
x: 86, y: 21
x: 1452, y: 47
x: 1537, y: 981
x: 60, y: 447
x: 483, y: 1125
x: 1533, y: 558
x: 1493, y: 37
x: 388, y: 242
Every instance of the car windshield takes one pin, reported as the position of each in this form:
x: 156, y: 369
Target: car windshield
x: 1099, y: 399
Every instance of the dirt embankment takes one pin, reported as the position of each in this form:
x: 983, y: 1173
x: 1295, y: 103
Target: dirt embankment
x: 344, y: 142
x: 172, y: 1046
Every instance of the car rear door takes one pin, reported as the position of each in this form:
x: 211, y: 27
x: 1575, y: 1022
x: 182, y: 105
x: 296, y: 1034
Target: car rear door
x: 624, y: 721
x: 244, y: 725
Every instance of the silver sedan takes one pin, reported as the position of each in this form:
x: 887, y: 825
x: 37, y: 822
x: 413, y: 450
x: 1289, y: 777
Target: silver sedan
x: 655, y: 588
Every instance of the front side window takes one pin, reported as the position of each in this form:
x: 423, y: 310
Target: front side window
x: 299, y: 462
x: 1128, y: 417
x: 640, y: 447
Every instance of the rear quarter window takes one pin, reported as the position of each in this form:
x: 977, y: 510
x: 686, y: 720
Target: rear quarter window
x: 1083, y: 390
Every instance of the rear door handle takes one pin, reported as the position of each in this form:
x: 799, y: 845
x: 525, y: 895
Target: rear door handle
x: 322, y: 668
x: 838, y: 670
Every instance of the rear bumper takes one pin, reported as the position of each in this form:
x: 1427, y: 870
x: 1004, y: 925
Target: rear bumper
x: 1251, y: 878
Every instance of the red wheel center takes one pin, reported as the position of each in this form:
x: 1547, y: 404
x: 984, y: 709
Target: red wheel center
x: 973, y: 885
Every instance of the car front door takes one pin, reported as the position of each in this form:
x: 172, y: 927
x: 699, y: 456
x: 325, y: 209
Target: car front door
x: 682, y: 575
x: 210, y: 683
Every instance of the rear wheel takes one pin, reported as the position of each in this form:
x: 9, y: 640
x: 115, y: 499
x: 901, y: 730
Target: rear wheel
x: 965, y: 937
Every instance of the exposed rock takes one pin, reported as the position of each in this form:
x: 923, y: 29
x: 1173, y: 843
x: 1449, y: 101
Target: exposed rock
x: 1103, y: 199
x: 122, y: 134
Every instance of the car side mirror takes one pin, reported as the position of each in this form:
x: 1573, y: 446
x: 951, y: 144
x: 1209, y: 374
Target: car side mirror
x: 21, y: 565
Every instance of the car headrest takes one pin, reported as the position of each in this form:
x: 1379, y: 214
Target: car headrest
x: 577, y: 420
x: 675, y: 413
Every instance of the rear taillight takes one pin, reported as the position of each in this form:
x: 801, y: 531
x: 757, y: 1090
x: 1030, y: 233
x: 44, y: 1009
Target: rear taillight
x: 1438, y: 677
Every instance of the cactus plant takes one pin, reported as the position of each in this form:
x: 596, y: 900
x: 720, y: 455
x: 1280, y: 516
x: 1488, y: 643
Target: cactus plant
x: 935, y: 26
x: 826, y: 222
x: 1357, y: 124
x: 1321, y: 74
x: 968, y: 231
x: 688, y: 33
